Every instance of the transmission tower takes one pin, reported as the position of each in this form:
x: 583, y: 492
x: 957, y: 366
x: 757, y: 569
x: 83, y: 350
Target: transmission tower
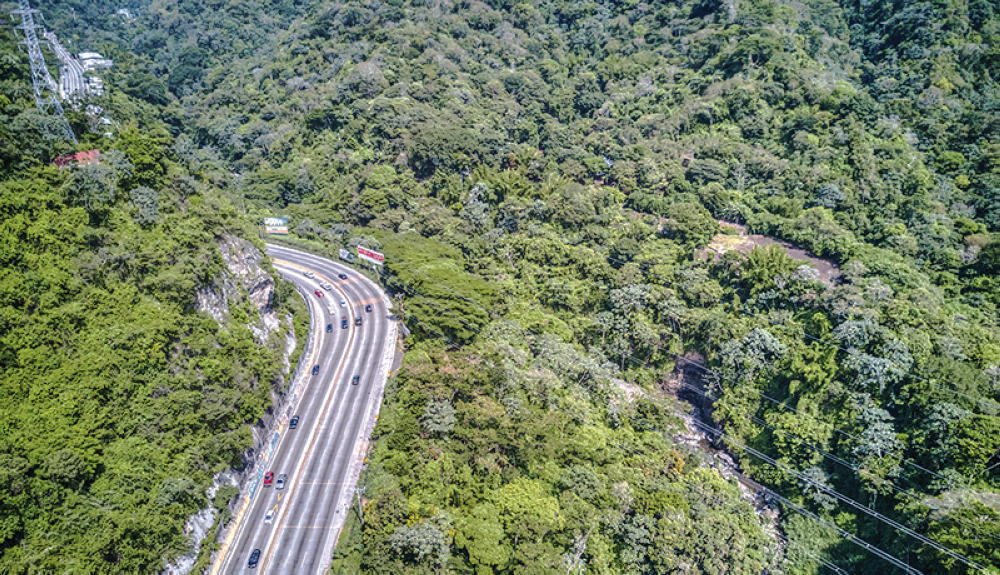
x: 46, y: 93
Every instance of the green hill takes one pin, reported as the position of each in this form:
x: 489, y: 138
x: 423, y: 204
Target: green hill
x: 544, y: 179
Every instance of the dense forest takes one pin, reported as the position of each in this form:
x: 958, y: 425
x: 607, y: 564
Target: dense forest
x: 554, y: 184
x: 121, y: 399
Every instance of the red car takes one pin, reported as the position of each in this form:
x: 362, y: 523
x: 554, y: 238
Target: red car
x: 268, y: 478
x: 318, y: 293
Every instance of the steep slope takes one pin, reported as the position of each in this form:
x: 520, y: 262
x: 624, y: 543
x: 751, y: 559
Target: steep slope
x: 121, y: 398
x: 548, y: 174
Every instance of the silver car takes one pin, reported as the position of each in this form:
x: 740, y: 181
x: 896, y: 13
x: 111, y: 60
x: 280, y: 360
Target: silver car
x: 280, y: 483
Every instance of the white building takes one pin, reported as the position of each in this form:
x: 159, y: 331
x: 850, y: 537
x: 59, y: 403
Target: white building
x: 93, y: 60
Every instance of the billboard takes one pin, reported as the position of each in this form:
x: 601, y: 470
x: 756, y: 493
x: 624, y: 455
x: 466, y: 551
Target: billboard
x: 275, y: 221
x: 373, y: 257
x: 346, y: 255
x: 277, y: 230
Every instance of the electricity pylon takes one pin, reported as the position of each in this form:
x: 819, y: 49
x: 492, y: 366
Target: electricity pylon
x: 46, y: 93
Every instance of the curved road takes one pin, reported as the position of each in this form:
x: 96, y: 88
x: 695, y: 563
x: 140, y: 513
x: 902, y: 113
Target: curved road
x: 71, y: 84
x: 322, y: 457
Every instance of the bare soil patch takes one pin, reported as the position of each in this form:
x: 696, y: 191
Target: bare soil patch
x: 744, y: 242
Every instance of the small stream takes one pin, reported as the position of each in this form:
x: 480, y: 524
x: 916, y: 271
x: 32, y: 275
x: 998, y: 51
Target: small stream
x: 687, y: 385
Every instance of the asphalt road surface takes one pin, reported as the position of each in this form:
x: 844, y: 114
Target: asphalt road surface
x: 322, y: 456
x: 71, y: 81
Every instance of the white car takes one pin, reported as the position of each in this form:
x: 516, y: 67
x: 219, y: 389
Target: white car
x: 326, y: 286
x: 343, y: 303
x: 332, y: 310
x: 309, y: 275
x: 269, y: 518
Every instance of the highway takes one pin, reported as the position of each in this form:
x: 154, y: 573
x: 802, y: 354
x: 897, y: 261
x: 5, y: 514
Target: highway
x: 323, y: 456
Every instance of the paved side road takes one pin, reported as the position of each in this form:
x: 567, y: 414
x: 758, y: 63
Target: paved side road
x: 322, y: 457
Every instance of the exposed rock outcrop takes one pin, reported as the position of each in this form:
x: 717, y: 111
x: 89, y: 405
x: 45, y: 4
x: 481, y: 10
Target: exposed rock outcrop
x: 244, y: 280
x: 688, y: 385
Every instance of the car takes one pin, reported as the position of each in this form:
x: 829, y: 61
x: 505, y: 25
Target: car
x: 308, y: 274
x: 281, y: 481
x: 315, y: 369
x: 368, y: 308
x: 343, y: 322
x: 326, y: 286
x: 254, y: 559
x: 343, y: 303
x: 355, y: 379
x: 269, y: 518
x: 329, y: 327
x: 331, y: 309
x: 268, y: 478
x: 294, y: 422
x: 318, y: 293
x: 342, y: 276
x: 357, y: 320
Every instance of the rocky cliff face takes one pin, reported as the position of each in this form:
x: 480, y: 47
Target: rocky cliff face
x: 243, y: 281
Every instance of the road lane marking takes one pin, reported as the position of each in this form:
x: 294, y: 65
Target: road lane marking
x: 364, y: 439
x: 300, y: 468
x: 345, y: 416
x: 378, y: 386
x: 237, y: 524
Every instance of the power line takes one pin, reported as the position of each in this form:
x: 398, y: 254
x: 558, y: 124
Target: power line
x: 46, y: 93
x: 861, y: 507
x: 981, y: 401
x: 837, y: 495
x: 707, y: 496
x: 702, y: 367
x: 717, y: 375
x: 843, y: 498
x: 833, y: 457
x: 822, y: 560
x: 849, y: 536
x: 783, y: 405
x: 843, y: 533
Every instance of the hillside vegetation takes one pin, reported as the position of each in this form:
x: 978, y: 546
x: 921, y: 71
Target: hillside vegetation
x: 121, y: 399
x: 544, y: 178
